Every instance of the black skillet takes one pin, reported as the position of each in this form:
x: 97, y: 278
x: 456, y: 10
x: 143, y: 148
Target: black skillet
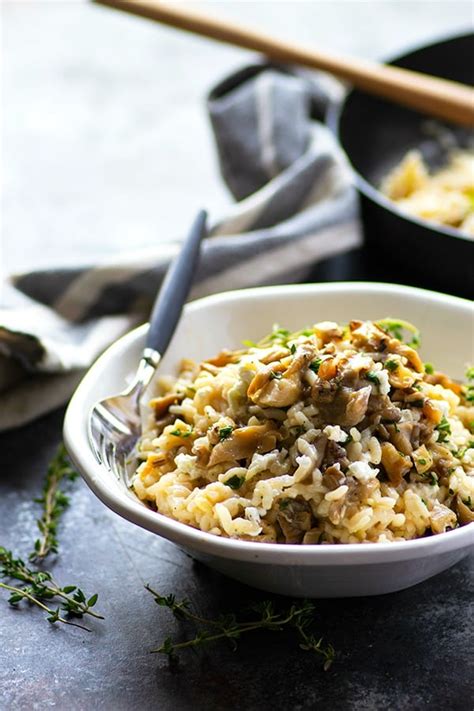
x: 376, y: 134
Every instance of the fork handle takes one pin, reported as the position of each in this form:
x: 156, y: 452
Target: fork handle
x: 172, y: 295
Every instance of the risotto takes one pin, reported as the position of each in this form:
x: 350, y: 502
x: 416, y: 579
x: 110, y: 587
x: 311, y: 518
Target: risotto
x: 445, y: 196
x: 334, y: 434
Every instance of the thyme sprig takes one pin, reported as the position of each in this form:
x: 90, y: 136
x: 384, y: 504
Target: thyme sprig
x: 39, y: 588
x: 54, y: 501
x: 299, y: 616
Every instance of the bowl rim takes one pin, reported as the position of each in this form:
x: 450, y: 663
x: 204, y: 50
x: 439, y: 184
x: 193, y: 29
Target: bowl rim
x: 131, y: 508
x: 333, y: 118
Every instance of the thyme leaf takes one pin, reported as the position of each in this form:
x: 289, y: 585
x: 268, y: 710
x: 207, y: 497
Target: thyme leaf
x: 54, y: 501
x: 299, y: 617
x: 39, y: 588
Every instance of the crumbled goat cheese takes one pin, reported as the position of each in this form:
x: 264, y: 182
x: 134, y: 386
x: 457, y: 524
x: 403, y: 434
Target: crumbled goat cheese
x: 363, y: 471
x: 335, y: 433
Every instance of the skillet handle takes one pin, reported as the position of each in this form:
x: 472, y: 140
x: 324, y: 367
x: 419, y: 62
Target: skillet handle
x: 172, y: 295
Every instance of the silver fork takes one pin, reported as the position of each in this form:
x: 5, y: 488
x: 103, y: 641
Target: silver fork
x: 114, y: 423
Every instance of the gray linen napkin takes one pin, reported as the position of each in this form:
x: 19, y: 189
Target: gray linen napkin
x: 295, y: 205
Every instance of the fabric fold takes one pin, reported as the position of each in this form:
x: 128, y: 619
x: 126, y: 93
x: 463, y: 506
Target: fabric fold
x: 295, y: 205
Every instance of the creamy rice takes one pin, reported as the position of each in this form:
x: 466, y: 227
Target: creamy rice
x: 445, y: 196
x: 329, y: 435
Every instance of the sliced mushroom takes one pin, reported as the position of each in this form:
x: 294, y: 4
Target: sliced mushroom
x: 342, y: 406
x: 400, y: 436
x: 396, y: 346
x: 367, y: 335
x: 442, y: 518
x: 223, y: 358
x: 295, y: 518
x: 333, y: 477
x: 415, y: 435
x: 402, y: 377
x: 320, y: 445
x: 201, y: 448
x: 395, y: 464
x: 465, y: 514
x: 274, y: 392
x: 356, y: 407
x: 422, y: 459
x: 312, y: 536
x: 335, y: 454
x: 390, y: 413
x: 243, y: 443
x: 160, y: 405
x: 275, y: 386
x: 273, y: 354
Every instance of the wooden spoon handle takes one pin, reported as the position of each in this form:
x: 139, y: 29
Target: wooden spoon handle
x: 444, y: 99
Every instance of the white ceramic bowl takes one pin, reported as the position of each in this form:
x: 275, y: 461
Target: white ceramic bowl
x: 224, y: 320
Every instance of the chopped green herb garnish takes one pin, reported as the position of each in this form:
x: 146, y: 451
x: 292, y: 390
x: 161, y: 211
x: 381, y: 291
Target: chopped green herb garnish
x: 225, y: 432
x: 425, y: 503
x: 235, y: 482
x: 470, y: 385
x: 397, y: 327
x: 422, y: 462
x: 391, y: 365
x: 370, y: 375
x: 444, y: 429
x: 182, y: 433
x: 315, y: 364
x: 274, y: 375
x: 249, y: 344
x: 429, y: 369
x: 293, y: 348
x: 279, y: 334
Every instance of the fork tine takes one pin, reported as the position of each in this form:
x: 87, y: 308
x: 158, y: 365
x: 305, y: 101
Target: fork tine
x: 95, y: 439
x: 103, y: 451
x: 110, y: 420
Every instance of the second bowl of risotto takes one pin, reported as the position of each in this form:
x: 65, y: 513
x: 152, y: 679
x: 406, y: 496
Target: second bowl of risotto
x: 309, y: 440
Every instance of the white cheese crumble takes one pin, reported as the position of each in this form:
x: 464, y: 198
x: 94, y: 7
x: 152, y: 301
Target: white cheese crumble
x: 363, y: 471
x: 384, y: 385
x: 335, y: 433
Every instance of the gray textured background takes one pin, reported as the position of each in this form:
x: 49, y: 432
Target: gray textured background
x: 106, y: 146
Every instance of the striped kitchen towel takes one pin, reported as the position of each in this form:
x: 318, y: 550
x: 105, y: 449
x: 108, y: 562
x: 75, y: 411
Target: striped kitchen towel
x: 294, y: 205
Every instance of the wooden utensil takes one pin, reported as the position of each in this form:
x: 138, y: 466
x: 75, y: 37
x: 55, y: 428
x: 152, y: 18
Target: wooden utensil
x: 444, y: 99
